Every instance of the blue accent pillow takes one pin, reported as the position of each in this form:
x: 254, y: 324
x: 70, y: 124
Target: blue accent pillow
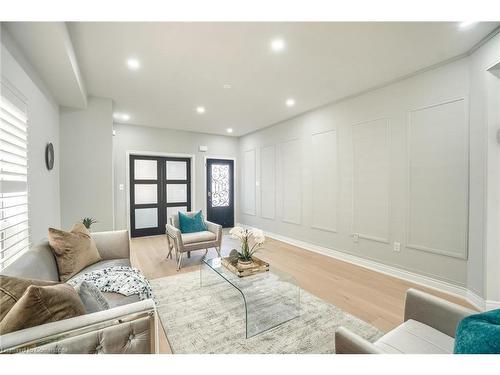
x: 479, y: 334
x: 193, y: 224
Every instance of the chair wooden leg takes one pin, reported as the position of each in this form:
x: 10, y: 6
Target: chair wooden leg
x: 169, y: 255
x: 189, y: 254
x: 179, y: 262
x: 218, y: 251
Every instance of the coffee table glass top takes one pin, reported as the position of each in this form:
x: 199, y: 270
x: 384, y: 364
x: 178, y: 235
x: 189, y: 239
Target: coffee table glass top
x: 270, y: 298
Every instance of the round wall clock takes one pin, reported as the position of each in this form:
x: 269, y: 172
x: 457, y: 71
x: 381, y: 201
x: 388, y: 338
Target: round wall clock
x: 49, y: 156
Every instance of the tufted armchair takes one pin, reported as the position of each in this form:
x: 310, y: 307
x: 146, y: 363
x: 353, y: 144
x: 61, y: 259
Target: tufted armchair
x: 186, y: 242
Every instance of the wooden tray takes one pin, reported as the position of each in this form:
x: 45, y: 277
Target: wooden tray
x: 257, y: 267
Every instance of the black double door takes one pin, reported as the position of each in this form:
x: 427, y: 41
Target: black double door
x: 159, y: 188
x: 220, y: 192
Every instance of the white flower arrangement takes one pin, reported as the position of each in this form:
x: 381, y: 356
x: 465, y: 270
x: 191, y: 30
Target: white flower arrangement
x: 251, y: 241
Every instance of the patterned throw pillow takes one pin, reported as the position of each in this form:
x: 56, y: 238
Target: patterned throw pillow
x: 188, y: 224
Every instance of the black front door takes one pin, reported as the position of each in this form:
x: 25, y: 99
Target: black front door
x: 220, y: 192
x: 159, y: 188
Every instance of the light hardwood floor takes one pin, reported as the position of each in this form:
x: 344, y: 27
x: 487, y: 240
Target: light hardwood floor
x: 371, y: 296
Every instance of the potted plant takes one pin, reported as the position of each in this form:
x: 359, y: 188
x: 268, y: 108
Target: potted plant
x: 251, y: 241
x: 88, y: 221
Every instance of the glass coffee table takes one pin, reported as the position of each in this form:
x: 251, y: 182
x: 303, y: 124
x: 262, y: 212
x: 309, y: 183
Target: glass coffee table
x: 270, y: 298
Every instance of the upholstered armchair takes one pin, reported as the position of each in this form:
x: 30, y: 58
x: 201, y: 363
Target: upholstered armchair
x: 429, y: 327
x: 186, y: 242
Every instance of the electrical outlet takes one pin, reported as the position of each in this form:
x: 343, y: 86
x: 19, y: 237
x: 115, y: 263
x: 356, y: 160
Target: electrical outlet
x: 397, y: 246
x: 121, y: 187
x: 355, y: 237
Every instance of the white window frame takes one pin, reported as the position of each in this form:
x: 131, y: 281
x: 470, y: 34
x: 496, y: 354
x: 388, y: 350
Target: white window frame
x: 15, y: 234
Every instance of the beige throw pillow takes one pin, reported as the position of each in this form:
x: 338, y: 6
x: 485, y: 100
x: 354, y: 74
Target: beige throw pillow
x: 73, y: 250
x: 40, y: 305
x: 12, y: 289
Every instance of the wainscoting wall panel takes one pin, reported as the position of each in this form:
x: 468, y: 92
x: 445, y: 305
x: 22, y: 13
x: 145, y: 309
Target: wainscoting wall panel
x: 325, y: 181
x: 249, y: 180
x: 291, y: 181
x: 268, y: 182
x: 438, y: 174
x: 371, y: 172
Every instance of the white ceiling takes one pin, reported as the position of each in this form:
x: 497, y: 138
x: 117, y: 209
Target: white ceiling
x: 47, y: 45
x: 184, y: 65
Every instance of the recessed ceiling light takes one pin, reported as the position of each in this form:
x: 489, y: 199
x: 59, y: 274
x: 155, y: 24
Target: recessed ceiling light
x: 229, y: 130
x: 121, y: 116
x: 200, y: 110
x: 277, y: 45
x: 467, y: 24
x: 227, y: 86
x: 290, y: 102
x: 133, y: 64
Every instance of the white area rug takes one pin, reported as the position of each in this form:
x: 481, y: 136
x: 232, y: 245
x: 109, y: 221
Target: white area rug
x: 212, y: 320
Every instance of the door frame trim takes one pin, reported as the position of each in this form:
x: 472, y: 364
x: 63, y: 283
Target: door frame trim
x: 235, y: 181
x: 128, y: 153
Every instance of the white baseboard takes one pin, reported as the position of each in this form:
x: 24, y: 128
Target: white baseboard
x: 492, y: 305
x: 415, y: 278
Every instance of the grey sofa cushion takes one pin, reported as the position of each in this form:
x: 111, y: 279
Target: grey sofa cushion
x: 117, y: 299
x: 92, y: 298
x: 37, y: 263
x: 413, y: 337
x: 196, y: 237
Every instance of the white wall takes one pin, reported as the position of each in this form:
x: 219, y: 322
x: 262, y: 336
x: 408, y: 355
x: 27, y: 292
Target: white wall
x: 43, y: 117
x: 484, y: 260
x: 397, y: 171
x: 86, y: 164
x: 165, y: 141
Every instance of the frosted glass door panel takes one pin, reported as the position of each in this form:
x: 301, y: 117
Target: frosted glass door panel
x: 146, y: 193
x: 146, y: 218
x: 145, y: 169
x: 176, y: 170
x: 174, y: 210
x: 176, y: 193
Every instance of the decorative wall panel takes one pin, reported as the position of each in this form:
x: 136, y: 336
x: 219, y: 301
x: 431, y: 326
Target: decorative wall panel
x: 438, y: 179
x: 325, y: 181
x: 371, y: 171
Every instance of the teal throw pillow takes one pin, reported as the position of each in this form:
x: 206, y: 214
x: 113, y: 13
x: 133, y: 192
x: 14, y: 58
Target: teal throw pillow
x: 193, y: 224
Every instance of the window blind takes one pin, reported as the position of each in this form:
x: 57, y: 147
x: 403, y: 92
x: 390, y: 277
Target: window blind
x: 14, y: 223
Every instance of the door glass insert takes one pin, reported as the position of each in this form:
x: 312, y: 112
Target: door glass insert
x: 146, y: 218
x: 160, y: 187
x: 176, y: 170
x: 146, y: 193
x: 174, y: 210
x: 145, y: 169
x: 220, y: 185
x: 176, y: 193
